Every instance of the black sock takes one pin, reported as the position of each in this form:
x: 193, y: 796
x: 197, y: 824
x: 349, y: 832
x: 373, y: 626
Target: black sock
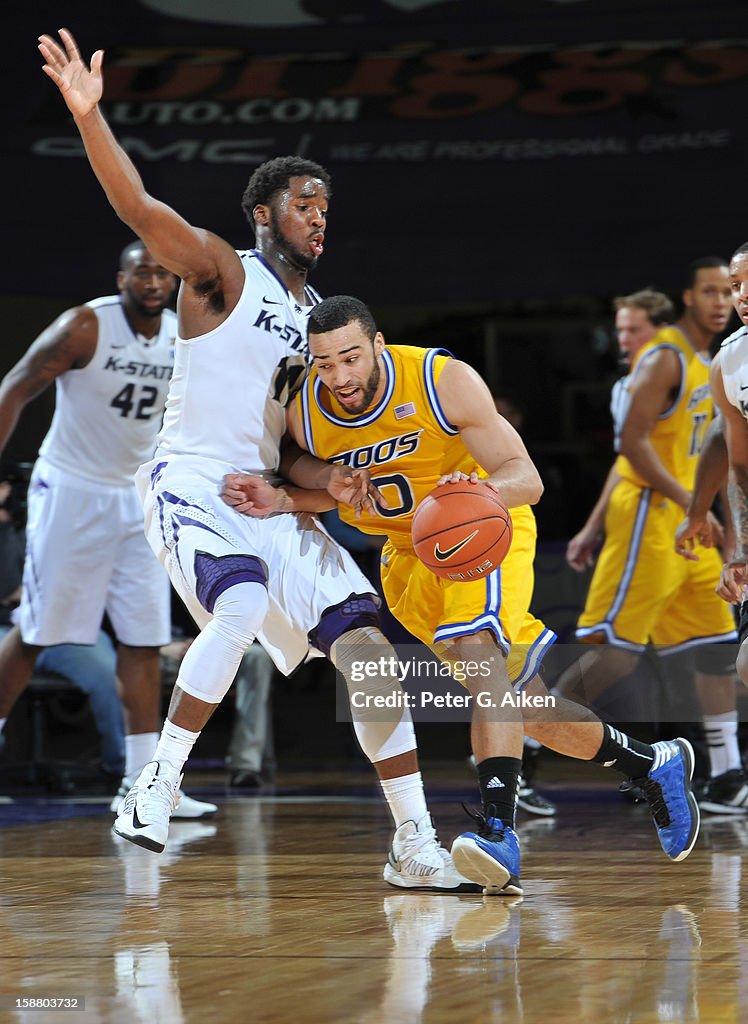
x: 627, y: 755
x: 497, y: 777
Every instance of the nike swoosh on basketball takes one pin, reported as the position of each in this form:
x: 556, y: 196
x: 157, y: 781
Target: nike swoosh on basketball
x: 442, y: 556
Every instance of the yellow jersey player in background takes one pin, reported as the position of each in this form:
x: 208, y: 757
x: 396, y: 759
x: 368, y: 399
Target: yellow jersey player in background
x: 641, y: 591
x: 411, y: 417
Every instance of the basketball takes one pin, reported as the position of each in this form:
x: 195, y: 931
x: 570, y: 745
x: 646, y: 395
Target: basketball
x: 462, y: 531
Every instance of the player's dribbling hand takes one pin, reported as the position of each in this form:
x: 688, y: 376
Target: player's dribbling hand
x: 457, y: 478
x: 354, y: 487
x: 80, y: 86
x: 732, y: 582
x: 252, y: 495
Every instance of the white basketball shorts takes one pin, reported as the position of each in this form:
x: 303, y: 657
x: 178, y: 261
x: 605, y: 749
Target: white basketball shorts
x: 307, y: 572
x: 86, y: 555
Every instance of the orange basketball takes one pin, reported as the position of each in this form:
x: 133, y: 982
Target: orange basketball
x: 462, y: 531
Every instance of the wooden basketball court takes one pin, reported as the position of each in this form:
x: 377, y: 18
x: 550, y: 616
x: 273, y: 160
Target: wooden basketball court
x: 275, y: 911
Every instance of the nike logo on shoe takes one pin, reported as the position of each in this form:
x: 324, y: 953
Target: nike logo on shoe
x: 136, y: 822
x: 495, y: 783
x: 442, y: 556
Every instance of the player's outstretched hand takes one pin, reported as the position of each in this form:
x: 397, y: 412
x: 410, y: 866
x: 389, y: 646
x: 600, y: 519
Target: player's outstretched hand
x: 252, y: 495
x: 81, y: 87
x: 732, y: 582
x: 354, y: 487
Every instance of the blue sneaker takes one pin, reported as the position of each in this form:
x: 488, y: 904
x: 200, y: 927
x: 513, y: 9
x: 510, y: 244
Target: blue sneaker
x: 667, y: 790
x: 489, y: 856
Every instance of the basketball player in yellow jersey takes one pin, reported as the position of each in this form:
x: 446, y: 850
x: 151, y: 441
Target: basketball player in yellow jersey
x: 412, y: 417
x: 642, y: 591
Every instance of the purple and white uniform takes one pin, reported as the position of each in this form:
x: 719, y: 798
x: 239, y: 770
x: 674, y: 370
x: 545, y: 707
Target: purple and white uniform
x: 85, y: 551
x: 226, y: 414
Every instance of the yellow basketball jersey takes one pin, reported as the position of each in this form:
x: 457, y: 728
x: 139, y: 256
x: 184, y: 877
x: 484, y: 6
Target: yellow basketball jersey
x: 405, y: 440
x: 679, y: 434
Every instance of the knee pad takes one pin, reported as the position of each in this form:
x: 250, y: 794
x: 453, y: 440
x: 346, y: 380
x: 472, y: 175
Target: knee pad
x: 382, y: 732
x: 715, y: 659
x: 381, y: 740
x: 211, y: 663
x: 358, y: 611
x: 215, y: 574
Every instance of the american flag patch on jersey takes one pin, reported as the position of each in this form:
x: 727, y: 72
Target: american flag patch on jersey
x: 401, y: 411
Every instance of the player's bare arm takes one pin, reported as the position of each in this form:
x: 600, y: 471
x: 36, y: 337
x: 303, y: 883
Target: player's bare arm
x: 206, y: 263
x: 580, y: 551
x: 67, y: 344
x: 700, y: 525
x: 653, y: 392
x: 736, y: 438
x: 319, y: 486
x: 491, y: 440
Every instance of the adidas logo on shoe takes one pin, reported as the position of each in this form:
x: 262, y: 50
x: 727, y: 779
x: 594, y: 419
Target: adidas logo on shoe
x: 495, y: 783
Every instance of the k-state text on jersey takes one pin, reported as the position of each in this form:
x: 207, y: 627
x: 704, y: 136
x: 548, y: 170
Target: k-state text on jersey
x: 132, y: 368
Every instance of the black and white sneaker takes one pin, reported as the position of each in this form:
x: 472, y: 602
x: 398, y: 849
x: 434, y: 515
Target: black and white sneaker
x: 532, y: 802
x: 726, y: 793
x: 144, y: 814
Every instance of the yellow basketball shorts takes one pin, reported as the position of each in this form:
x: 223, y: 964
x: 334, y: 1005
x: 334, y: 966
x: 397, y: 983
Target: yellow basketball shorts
x: 642, y: 591
x: 437, y: 611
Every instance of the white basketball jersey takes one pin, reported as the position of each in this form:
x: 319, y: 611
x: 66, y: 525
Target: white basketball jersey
x: 620, y: 400
x: 733, y: 362
x: 108, y: 413
x: 231, y: 386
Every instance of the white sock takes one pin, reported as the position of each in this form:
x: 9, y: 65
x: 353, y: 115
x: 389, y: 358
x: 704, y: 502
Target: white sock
x: 721, y: 732
x: 405, y: 798
x: 2, y: 723
x: 138, y: 752
x: 174, y: 745
x: 532, y: 744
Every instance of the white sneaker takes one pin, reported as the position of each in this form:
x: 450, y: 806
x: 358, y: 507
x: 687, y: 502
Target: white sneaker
x: 417, y: 861
x: 188, y: 809
x: 144, y: 814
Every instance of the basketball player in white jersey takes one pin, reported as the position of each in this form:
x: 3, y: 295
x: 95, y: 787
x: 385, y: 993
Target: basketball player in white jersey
x: 729, y: 383
x: 241, y: 354
x: 111, y: 361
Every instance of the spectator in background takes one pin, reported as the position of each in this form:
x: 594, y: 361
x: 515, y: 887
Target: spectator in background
x: 251, y: 754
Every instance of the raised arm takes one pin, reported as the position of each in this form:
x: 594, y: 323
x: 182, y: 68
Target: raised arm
x: 204, y: 261
x: 67, y: 344
x: 491, y: 440
x: 657, y: 380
